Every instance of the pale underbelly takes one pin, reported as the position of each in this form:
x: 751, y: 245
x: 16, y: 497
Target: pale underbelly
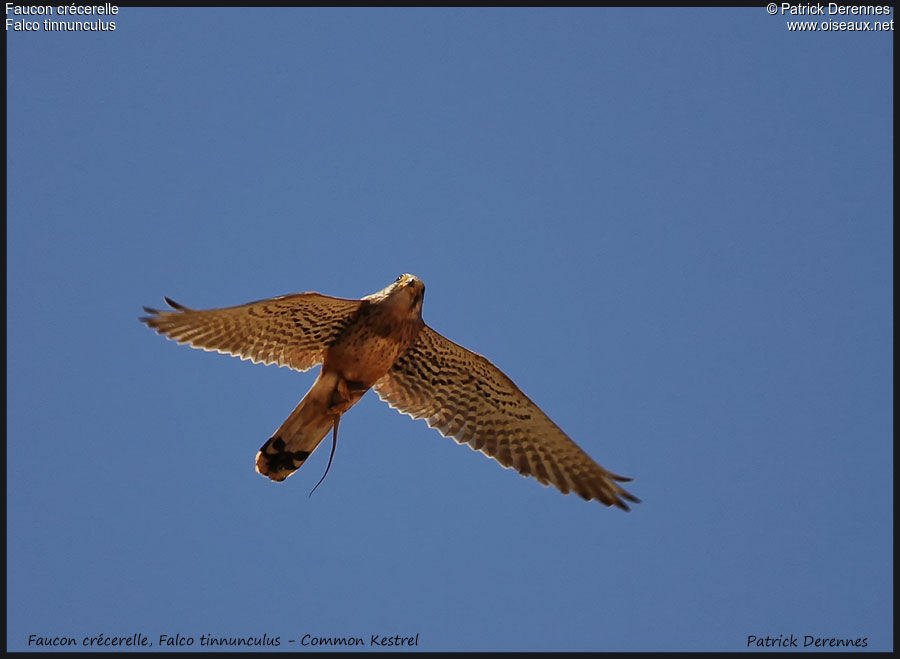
x: 362, y: 361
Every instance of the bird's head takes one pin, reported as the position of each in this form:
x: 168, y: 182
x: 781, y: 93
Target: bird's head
x: 405, y: 294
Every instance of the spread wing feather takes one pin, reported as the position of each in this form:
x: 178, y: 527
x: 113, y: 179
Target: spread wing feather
x: 291, y: 330
x: 464, y: 396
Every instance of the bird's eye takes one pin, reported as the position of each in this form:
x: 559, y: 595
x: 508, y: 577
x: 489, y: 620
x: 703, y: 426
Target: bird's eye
x: 400, y: 277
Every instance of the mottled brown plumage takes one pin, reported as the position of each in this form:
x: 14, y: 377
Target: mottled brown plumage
x: 381, y: 342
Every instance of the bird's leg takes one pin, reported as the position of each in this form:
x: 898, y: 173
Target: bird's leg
x: 342, y: 399
x: 339, y: 398
x: 345, y: 395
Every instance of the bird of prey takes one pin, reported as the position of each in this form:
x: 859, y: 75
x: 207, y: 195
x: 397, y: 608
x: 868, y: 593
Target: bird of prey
x: 381, y: 342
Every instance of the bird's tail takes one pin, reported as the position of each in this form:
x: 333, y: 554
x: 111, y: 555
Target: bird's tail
x: 289, y: 446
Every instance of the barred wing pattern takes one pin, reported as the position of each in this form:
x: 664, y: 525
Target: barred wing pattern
x: 291, y: 330
x: 466, y: 397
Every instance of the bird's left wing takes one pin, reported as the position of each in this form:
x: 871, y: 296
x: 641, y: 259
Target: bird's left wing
x: 291, y: 330
x: 464, y: 396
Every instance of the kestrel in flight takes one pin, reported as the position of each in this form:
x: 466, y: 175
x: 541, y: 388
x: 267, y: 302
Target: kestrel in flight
x: 381, y: 342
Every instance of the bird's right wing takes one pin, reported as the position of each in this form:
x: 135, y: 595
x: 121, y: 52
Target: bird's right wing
x: 291, y: 330
x: 463, y: 395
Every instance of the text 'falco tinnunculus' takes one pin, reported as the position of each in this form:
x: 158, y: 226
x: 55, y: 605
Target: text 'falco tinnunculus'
x: 381, y: 342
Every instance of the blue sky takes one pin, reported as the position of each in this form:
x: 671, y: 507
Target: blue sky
x: 672, y: 229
